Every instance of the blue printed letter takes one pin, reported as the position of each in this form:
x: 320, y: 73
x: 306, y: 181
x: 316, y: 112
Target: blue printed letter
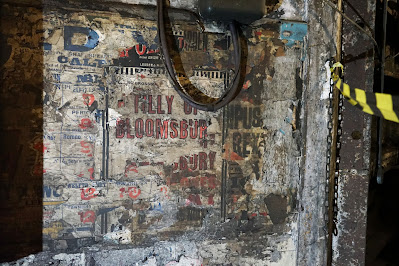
x: 92, y: 39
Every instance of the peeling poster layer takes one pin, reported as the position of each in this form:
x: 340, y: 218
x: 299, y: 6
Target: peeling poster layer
x: 127, y: 162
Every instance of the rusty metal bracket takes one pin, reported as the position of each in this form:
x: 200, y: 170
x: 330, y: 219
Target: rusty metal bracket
x: 293, y: 32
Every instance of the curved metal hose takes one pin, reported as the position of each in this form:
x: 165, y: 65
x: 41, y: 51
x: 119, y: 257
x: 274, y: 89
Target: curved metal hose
x: 208, y: 103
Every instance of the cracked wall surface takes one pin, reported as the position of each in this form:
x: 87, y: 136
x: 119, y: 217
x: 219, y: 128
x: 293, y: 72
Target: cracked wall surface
x: 132, y: 175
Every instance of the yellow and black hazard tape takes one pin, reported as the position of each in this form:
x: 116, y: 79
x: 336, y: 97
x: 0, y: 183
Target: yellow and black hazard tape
x: 379, y: 104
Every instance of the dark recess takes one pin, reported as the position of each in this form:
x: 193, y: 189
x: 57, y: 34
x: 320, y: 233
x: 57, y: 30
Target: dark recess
x: 21, y: 138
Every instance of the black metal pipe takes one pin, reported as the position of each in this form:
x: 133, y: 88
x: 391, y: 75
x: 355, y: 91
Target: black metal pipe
x: 380, y: 170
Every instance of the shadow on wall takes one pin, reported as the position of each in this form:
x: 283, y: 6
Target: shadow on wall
x: 21, y: 130
x: 383, y: 220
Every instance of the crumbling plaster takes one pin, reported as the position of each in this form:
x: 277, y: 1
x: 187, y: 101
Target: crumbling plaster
x: 113, y: 195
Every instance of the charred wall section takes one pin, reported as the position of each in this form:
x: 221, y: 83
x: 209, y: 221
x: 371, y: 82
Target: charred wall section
x: 21, y: 131
x: 132, y: 174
